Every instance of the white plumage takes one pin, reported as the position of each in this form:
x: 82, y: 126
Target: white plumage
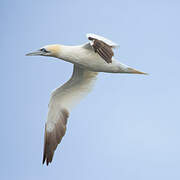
x: 88, y: 60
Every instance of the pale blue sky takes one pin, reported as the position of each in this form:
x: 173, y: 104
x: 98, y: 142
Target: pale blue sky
x: 128, y: 127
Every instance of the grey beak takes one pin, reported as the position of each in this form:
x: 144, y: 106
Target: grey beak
x: 36, y: 53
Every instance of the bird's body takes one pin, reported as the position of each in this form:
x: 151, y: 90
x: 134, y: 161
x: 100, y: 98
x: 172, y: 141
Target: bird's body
x: 88, y: 60
x: 85, y: 57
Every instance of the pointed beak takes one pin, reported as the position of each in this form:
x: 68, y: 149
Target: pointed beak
x: 36, y: 53
x: 134, y: 71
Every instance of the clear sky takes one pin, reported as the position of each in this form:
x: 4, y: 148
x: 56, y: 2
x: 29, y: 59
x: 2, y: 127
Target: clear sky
x: 128, y: 126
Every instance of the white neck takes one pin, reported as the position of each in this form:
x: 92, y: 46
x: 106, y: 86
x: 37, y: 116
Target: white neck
x: 69, y: 53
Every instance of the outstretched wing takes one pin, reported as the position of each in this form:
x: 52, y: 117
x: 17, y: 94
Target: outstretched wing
x: 102, y: 46
x: 61, y: 102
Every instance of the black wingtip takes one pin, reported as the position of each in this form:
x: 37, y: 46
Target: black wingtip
x: 45, y: 160
x: 53, y: 138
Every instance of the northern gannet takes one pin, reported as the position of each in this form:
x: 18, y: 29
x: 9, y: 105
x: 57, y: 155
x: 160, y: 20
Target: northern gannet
x: 88, y: 59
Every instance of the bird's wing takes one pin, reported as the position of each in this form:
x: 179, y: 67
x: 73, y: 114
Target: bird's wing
x: 62, y: 100
x: 102, y: 46
x: 105, y: 40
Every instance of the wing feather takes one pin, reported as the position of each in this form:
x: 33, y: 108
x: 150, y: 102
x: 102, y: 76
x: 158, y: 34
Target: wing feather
x: 61, y: 102
x: 102, y: 46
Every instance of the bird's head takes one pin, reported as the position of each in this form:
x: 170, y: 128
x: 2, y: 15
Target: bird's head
x: 49, y: 50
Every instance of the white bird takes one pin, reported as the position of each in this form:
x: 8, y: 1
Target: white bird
x: 88, y: 59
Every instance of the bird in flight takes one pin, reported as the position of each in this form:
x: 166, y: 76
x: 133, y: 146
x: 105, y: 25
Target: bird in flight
x: 88, y: 59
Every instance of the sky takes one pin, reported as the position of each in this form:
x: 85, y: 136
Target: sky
x: 128, y: 126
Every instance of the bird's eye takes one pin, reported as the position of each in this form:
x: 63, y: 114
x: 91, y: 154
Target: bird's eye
x: 43, y: 50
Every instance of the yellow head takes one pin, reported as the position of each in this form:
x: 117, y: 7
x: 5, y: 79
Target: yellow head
x: 49, y: 50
